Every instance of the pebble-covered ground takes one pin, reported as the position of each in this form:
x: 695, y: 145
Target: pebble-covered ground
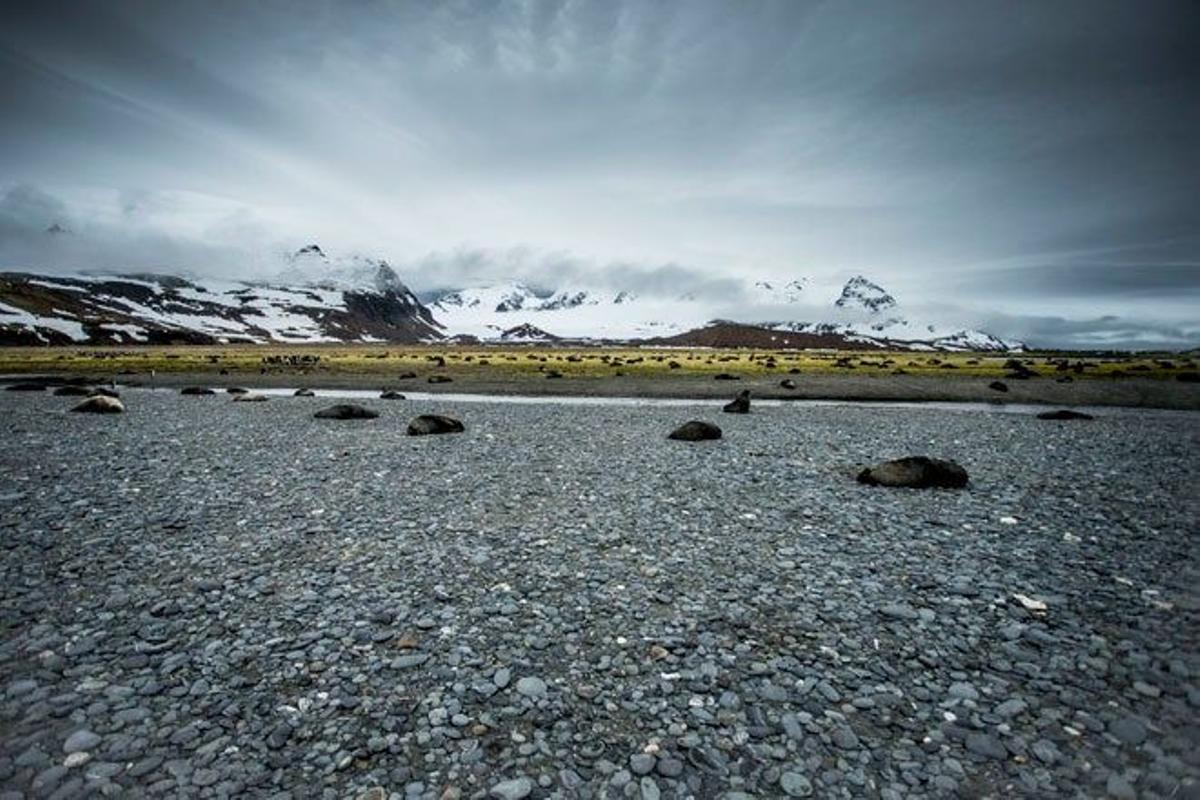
x: 202, y: 598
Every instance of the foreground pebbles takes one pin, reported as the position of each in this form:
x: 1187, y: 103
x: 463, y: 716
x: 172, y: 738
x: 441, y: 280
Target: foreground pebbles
x: 204, y: 602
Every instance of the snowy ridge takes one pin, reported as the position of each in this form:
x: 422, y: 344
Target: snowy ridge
x: 317, y: 300
x: 858, y: 310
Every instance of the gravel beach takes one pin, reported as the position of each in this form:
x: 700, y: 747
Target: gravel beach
x: 203, y: 598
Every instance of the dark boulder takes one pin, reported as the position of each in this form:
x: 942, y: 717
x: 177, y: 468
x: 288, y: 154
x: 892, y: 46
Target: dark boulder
x: 27, y: 387
x: 405, y: 376
x: 918, y: 472
x: 196, y: 390
x: 72, y: 391
x: 999, y: 386
x: 237, y: 390
x: 787, y: 383
x: 434, y: 423
x: 739, y: 404
x: 391, y: 394
x: 346, y: 411
x: 438, y: 379
x: 100, y: 405
x: 304, y: 393
x: 695, y: 431
x: 725, y: 376
x: 1064, y: 414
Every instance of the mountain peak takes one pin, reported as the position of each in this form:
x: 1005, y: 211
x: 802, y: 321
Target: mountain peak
x: 862, y: 293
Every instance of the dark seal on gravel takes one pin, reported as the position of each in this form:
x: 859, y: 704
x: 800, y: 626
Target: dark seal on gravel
x: 1064, y: 414
x: 391, y: 394
x: 739, y: 404
x: 695, y: 431
x: 237, y: 390
x: 100, y: 404
x: 27, y: 387
x: 304, y: 393
x: 249, y: 398
x: 917, y: 472
x: 196, y: 390
x: 725, y: 376
x: 438, y: 379
x: 434, y: 423
x: 72, y: 391
x: 787, y: 383
x: 998, y: 386
x: 346, y: 411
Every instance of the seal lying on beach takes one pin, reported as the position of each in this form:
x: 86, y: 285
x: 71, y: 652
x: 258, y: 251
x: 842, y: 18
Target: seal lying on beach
x: 917, y: 472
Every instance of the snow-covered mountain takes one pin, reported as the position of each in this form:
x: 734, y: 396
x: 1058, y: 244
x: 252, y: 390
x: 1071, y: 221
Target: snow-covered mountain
x: 315, y: 299
x: 858, y: 311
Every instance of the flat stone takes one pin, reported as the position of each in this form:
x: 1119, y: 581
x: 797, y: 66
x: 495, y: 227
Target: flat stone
x: 80, y: 740
x: 795, y: 784
x: 514, y: 789
x: 986, y: 745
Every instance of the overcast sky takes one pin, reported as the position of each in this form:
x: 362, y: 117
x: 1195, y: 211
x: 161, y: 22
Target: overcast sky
x: 1035, y: 164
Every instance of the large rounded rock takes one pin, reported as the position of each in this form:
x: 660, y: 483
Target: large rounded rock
x: 739, y: 404
x: 434, y: 423
x: 196, y: 391
x: 100, y: 404
x: 346, y: 411
x: 917, y: 472
x: 1064, y: 414
x: 695, y: 431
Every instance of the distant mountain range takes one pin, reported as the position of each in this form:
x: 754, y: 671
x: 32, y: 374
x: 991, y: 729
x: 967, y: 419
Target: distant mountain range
x: 319, y: 298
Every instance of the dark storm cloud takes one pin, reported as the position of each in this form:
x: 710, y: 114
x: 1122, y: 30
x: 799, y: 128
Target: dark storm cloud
x: 1040, y: 156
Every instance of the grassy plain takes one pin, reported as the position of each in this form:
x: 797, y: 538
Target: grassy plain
x: 534, y: 362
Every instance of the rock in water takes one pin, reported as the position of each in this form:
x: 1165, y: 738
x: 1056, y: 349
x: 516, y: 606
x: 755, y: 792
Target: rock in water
x: 27, y: 387
x: 304, y: 393
x: 100, y: 404
x: 249, y: 398
x: 740, y: 404
x: 998, y: 386
x: 1064, y: 414
x: 695, y: 431
x: 72, y: 391
x: 196, y: 390
x: 918, y: 472
x: 391, y: 394
x: 434, y: 423
x: 346, y: 411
